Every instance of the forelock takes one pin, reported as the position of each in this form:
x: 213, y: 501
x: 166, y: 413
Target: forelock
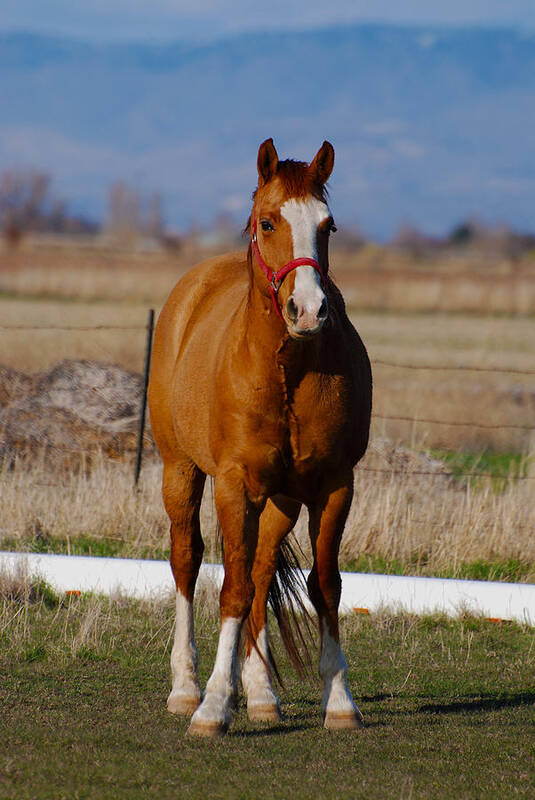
x: 298, y: 181
x: 292, y: 179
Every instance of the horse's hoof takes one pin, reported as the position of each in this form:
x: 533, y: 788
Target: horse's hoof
x: 264, y: 712
x: 343, y: 720
x: 183, y: 704
x: 206, y: 728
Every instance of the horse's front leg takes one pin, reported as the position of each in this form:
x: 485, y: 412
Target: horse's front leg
x: 277, y: 520
x: 327, y: 520
x: 239, y: 517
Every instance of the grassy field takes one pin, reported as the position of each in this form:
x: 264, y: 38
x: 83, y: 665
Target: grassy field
x: 72, y: 287
x: 470, y: 421
x: 448, y: 707
x: 372, y: 277
x: 417, y: 524
x: 490, y: 398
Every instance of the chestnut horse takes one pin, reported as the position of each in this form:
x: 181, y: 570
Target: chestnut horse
x: 259, y: 379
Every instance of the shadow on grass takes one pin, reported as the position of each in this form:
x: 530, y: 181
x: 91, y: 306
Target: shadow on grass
x: 302, y: 727
x: 479, y: 703
x: 375, y: 698
x: 273, y: 730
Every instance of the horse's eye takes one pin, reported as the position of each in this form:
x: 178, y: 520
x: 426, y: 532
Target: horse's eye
x: 332, y: 227
x: 266, y: 225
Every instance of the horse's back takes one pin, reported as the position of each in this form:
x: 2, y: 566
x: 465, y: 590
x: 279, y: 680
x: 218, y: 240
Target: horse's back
x: 187, y: 339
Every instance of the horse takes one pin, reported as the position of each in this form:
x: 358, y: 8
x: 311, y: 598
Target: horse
x: 260, y: 380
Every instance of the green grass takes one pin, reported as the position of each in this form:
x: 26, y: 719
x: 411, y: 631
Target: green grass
x: 84, y: 545
x: 448, y: 708
x: 509, y: 570
x: 504, y: 467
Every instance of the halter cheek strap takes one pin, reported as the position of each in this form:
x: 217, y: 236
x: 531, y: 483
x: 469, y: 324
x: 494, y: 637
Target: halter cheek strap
x: 275, y: 278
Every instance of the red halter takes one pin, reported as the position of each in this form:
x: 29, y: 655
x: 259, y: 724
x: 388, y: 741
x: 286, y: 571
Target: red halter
x: 276, y: 278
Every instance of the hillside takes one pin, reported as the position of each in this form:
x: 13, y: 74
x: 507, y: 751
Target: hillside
x: 429, y: 125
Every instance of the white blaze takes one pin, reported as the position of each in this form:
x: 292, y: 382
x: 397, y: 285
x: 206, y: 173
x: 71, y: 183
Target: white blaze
x: 304, y: 216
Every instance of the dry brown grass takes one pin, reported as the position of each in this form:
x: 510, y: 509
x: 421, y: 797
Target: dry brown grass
x: 481, y: 398
x: 37, y: 270
x: 418, y: 517
x: 439, y: 291
x: 490, y: 398
x: 87, y: 623
x: 373, y: 277
x: 428, y: 521
x: 464, y: 280
x: 419, y: 520
x: 35, y: 349
x: 38, y: 509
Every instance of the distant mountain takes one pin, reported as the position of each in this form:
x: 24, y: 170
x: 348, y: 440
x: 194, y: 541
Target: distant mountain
x: 429, y: 124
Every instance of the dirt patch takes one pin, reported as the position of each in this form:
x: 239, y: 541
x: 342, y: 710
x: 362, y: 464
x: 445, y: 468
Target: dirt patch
x: 70, y: 413
x: 385, y: 456
x: 13, y: 385
x: 76, y: 409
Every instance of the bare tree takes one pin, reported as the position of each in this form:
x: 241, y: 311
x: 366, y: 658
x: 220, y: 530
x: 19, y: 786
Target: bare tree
x: 123, y: 209
x: 130, y: 213
x: 28, y: 205
x: 154, y: 217
x: 24, y: 202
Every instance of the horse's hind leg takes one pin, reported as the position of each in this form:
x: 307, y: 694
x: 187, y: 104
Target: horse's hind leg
x: 327, y: 520
x: 182, y: 491
x: 277, y: 520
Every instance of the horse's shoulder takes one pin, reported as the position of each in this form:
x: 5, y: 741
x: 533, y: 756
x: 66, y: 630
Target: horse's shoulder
x: 229, y: 266
x: 208, y: 277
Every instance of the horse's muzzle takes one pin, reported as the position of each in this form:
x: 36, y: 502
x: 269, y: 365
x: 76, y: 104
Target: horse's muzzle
x: 304, y: 322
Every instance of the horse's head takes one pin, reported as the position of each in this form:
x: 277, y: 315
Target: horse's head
x: 290, y: 226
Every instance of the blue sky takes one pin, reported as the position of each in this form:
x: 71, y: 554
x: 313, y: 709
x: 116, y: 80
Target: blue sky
x: 164, y: 20
x: 394, y: 163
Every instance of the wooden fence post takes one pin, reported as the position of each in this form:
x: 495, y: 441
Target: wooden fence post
x: 531, y: 456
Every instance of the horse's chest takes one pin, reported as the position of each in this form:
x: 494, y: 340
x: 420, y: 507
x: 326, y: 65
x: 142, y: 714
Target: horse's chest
x: 319, y: 423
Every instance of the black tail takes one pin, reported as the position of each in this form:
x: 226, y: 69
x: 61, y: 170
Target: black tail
x: 286, y: 598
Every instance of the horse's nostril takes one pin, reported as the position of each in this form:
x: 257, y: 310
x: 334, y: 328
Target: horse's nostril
x: 291, y: 308
x: 324, y: 309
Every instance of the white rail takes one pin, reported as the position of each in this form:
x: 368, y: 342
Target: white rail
x: 360, y: 591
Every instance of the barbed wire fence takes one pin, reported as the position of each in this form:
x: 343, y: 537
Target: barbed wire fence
x: 148, y: 327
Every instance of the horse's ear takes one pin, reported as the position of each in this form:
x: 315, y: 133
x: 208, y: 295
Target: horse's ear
x: 267, y: 161
x: 323, y: 163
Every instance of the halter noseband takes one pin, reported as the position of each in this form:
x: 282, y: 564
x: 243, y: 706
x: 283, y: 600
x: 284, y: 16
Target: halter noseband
x: 275, y: 278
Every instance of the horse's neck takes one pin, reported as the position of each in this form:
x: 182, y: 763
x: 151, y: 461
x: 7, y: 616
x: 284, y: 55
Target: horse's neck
x: 262, y: 324
x: 264, y: 330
